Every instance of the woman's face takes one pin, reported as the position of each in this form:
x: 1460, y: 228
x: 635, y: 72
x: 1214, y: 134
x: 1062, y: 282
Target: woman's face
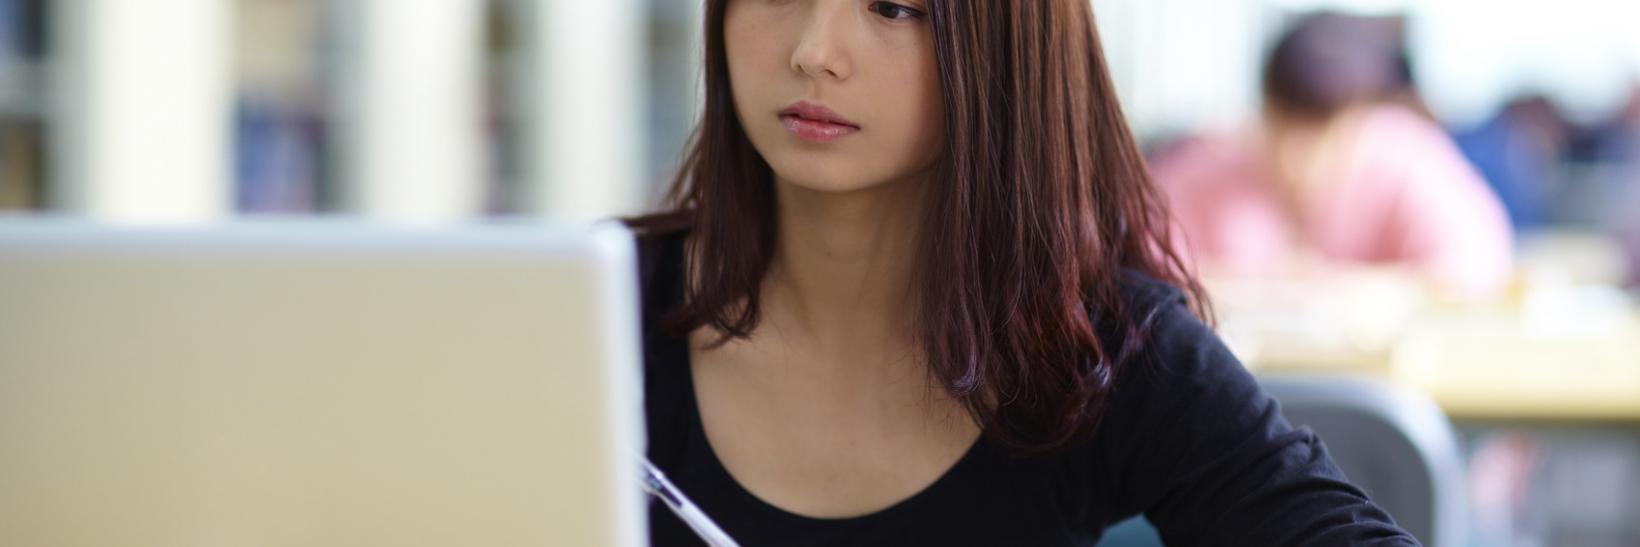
x: 837, y: 95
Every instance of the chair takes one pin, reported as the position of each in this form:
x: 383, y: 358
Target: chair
x: 1395, y: 444
x: 1392, y: 442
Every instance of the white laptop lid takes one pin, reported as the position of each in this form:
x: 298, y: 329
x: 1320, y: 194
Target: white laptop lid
x: 318, y: 384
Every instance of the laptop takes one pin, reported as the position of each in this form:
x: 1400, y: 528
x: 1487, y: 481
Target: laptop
x: 319, y: 383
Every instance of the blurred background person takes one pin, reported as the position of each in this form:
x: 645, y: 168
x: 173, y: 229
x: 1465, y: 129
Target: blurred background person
x: 1628, y: 216
x: 1622, y: 144
x: 1519, y: 151
x: 1337, y: 171
x: 1631, y: 243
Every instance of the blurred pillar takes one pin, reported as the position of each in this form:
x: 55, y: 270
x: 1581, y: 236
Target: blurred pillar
x: 584, y: 141
x: 411, y: 147
x: 1162, y: 52
x: 140, y: 104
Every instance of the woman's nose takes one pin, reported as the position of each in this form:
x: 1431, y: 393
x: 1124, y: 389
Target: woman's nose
x: 822, y: 50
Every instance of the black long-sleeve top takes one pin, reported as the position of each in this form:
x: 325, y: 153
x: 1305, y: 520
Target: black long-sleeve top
x: 1190, y: 441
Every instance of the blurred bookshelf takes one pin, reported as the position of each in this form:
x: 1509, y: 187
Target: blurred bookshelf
x: 289, y: 65
x: 506, y: 191
x: 22, y: 110
x: 282, y: 113
x: 289, y: 76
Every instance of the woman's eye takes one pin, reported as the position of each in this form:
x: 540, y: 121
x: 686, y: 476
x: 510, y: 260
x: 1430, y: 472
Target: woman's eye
x: 894, y: 11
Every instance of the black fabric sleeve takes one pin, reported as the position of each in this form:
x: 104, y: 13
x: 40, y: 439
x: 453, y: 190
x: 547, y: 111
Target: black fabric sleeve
x: 1198, y: 447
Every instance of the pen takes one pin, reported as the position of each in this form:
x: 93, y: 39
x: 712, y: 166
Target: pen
x: 655, y: 483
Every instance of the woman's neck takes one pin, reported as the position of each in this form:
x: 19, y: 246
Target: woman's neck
x: 842, y: 269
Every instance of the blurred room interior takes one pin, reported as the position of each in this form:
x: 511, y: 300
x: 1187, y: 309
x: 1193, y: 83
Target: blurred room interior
x: 198, y: 111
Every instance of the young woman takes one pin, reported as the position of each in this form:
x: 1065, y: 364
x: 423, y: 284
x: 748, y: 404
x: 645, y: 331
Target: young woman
x: 915, y: 289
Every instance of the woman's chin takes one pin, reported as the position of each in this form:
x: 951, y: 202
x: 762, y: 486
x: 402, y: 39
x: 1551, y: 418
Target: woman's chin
x: 839, y: 186
x: 825, y: 177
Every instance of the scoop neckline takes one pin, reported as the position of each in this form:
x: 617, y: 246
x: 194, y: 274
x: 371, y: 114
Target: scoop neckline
x: 697, y: 434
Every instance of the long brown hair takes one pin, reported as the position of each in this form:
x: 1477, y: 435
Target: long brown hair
x: 1040, y: 202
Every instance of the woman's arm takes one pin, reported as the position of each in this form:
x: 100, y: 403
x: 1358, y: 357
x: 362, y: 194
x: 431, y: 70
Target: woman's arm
x: 1205, y: 454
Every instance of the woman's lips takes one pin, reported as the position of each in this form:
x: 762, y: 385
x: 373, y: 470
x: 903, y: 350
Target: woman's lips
x: 815, y: 122
x: 816, y: 130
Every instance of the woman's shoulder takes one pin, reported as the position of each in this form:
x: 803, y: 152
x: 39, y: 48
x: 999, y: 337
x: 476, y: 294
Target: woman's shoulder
x: 1166, y: 340
x: 660, y: 241
x: 1147, y: 303
x: 657, y: 233
x: 1143, y: 290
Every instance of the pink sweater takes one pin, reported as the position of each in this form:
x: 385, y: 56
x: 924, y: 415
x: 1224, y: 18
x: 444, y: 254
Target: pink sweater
x: 1399, y: 193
